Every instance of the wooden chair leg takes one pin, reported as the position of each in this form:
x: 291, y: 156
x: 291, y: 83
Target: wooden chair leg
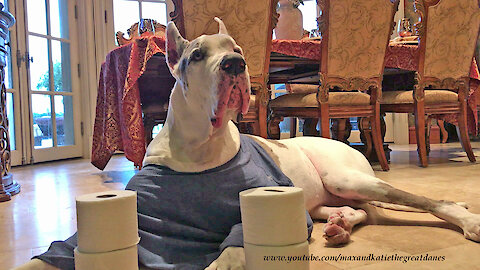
x: 377, y: 139
x: 148, y: 125
x: 441, y: 125
x: 293, y: 127
x: 273, y: 125
x: 420, y: 132
x: 262, y: 120
x: 366, y: 134
x: 427, y: 136
x: 325, y: 127
x: 463, y: 132
x: 324, y: 120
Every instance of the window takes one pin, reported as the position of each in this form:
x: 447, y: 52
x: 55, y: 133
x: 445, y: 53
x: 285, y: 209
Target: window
x: 309, y: 12
x: 128, y: 12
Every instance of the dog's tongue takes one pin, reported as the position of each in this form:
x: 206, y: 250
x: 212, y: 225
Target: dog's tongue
x: 233, y: 94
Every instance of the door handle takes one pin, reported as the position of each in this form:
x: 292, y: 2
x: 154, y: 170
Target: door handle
x: 24, y: 58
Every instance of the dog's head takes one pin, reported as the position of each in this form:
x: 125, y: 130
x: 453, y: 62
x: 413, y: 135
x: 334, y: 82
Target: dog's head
x: 212, y: 73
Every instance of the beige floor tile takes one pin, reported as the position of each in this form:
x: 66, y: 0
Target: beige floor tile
x: 456, y: 257
x: 339, y: 256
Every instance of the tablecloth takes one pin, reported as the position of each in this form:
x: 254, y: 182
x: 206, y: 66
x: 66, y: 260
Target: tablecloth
x: 118, y: 119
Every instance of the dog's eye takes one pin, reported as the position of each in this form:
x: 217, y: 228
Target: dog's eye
x: 238, y: 50
x: 197, y: 55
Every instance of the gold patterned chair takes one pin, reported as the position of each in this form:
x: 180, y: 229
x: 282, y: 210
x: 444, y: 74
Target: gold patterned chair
x: 355, y: 36
x: 448, y: 34
x: 250, y: 23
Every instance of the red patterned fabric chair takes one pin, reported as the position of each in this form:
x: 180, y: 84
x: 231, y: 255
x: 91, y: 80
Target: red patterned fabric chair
x: 448, y: 34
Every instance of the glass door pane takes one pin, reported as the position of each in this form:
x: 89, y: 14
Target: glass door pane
x: 42, y: 121
x: 39, y: 64
x: 37, y: 19
x: 59, y: 18
x: 125, y: 14
x: 62, y: 75
x: 54, y: 126
x: 64, y: 120
x: 156, y: 11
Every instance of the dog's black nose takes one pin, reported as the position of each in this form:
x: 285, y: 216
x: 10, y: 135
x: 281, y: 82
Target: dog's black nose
x: 233, y: 64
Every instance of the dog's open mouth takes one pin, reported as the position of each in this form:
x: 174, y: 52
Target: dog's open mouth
x: 233, y: 93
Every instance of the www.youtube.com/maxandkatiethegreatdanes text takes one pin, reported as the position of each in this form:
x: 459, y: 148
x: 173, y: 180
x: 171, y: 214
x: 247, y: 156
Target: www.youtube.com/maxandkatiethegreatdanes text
x: 357, y: 258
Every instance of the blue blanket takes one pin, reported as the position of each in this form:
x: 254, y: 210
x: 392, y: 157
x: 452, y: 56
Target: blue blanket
x: 186, y: 219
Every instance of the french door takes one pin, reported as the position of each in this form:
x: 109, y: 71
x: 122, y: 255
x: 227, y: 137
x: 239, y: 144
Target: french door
x: 43, y: 95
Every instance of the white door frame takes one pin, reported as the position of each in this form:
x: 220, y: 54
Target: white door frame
x: 23, y: 102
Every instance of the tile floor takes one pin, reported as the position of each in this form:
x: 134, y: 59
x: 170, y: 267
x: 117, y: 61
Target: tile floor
x: 45, y: 211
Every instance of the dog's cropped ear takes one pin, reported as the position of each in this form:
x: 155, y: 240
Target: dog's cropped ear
x: 221, y: 26
x: 175, y: 45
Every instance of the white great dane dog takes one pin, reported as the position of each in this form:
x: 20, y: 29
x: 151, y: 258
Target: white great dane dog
x: 212, y: 88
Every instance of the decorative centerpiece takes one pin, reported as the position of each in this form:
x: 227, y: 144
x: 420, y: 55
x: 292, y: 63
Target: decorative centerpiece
x: 290, y: 22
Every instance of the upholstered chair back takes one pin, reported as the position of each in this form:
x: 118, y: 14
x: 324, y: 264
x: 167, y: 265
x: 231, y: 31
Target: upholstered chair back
x: 452, y: 31
x: 247, y: 21
x: 358, y: 33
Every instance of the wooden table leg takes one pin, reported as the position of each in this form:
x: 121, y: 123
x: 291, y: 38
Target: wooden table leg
x: 341, y: 129
x: 310, y: 127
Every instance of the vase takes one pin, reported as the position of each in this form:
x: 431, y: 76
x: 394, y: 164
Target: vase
x: 290, y: 22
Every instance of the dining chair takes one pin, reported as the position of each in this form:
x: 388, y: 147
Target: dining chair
x: 448, y: 32
x: 156, y: 83
x: 250, y: 23
x: 355, y: 37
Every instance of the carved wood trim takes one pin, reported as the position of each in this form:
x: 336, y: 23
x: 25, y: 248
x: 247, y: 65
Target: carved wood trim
x: 419, y: 27
x: 395, y: 9
x: 418, y: 93
x: 321, y: 20
x: 4, y: 136
x: 275, y: 14
x: 350, y: 84
x: 177, y: 16
x: 133, y: 31
x: 459, y: 84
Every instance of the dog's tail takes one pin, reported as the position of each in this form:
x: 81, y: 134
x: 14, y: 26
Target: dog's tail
x: 397, y: 207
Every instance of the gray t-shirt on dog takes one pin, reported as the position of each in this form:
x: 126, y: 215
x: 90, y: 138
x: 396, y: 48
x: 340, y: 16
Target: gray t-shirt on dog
x: 186, y: 219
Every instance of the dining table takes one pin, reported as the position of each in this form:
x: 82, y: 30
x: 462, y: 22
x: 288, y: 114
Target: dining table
x: 118, y: 122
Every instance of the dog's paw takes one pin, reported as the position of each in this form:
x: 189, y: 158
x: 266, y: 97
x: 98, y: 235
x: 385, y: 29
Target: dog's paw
x: 471, y: 228
x: 337, y: 229
x: 232, y: 258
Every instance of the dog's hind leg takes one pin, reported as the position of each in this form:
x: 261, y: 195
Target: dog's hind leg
x: 340, y: 222
x: 355, y: 185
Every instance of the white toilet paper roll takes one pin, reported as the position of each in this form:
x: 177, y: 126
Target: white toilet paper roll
x: 123, y: 259
x: 292, y: 257
x: 107, y: 221
x: 273, y: 216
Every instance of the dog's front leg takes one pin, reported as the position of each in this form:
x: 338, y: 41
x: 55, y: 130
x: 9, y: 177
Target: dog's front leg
x: 232, y: 258
x: 36, y: 264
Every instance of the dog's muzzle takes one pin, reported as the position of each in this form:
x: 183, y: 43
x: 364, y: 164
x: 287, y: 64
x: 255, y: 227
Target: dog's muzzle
x: 233, y: 88
x: 233, y: 64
